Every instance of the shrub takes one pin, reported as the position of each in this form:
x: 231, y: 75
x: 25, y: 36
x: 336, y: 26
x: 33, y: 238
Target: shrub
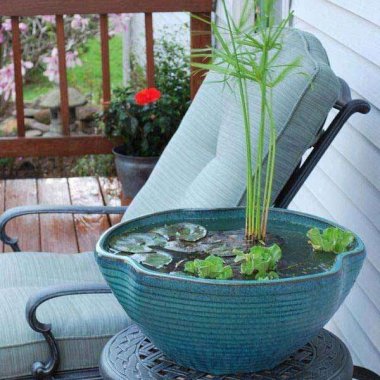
x: 146, y: 129
x: 94, y: 165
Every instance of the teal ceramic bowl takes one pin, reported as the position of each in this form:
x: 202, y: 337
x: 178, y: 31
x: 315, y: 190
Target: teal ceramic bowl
x: 227, y: 326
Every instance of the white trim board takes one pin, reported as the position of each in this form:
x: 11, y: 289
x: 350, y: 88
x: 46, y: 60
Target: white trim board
x: 285, y: 7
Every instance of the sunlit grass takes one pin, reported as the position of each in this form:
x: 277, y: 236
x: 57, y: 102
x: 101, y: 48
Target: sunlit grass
x: 86, y: 78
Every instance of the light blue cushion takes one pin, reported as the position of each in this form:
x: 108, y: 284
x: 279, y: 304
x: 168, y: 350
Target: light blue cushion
x: 82, y: 324
x: 204, y: 163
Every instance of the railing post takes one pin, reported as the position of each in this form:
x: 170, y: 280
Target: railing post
x: 149, y: 49
x: 200, y: 38
x: 63, y: 74
x: 106, y: 76
x: 17, y: 62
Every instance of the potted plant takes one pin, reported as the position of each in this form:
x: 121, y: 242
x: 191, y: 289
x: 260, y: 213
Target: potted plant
x: 234, y: 290
x: 145, y: 119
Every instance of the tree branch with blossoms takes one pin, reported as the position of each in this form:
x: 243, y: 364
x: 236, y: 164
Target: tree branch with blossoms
x: 38, y: 40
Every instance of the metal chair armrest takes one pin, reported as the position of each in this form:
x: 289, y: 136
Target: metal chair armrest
x: 347, y: 108
x: 361, y: 373
x: 40, y: 209
x: 46, y: 369
x: 345, y: 95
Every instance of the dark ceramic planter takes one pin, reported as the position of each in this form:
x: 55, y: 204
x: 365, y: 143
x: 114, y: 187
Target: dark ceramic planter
x: 227, y: 326
x: 132, y: 171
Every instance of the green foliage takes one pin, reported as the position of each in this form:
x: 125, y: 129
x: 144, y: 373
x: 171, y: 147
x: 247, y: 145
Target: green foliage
x: 37, y: 84
x: 94, y: 165
x: 146, y: 130
x: 249, y: 53
x: 212, y: 267
x: 172, y: 76
x: 260, y: 260
x: 137, y: 76
x: 6, y: 162
x: 331, y: 239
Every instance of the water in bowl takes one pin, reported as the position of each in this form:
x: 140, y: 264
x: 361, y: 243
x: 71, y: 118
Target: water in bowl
x: 167, y: 248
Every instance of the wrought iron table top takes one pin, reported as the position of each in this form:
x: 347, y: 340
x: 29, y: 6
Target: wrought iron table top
x: 129, y: 355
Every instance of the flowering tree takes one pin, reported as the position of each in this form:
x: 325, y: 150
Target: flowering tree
x: 38, y: 40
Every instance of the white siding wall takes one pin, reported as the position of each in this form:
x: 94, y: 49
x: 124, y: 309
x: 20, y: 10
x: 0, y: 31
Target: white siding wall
x: 172, y: 22
x: 345, y: 186
x: 234, y: 7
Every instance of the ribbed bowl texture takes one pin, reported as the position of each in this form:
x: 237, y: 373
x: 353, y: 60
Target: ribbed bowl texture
x: 227, y: 326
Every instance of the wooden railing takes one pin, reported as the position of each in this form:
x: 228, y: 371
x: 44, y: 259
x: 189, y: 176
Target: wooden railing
x: 79, y: 145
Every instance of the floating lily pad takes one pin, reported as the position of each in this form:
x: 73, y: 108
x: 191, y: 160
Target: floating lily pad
x: 222, y: 251
x: 157, y: 260
x: 139, y: 257
x: 136, y: 242
x: 181, y: 247
x: 182, y: 231
x: 153, y: 259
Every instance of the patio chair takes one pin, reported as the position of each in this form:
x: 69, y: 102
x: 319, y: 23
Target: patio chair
x: 70, y: 313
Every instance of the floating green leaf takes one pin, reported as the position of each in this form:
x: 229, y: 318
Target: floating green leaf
x: 331, y: 239
x: 182, y: 231
x: 260, y: 260
x: 212, y: 267
x: 139, y: 257
x: 157, y: 260
x: 267, y: 276
x: 136, y: 242
x: 222, y: 251
x: 177, y: 247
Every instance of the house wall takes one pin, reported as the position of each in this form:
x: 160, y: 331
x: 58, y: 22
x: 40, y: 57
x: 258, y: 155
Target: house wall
x: 345, y: 186
x: 162, y: 22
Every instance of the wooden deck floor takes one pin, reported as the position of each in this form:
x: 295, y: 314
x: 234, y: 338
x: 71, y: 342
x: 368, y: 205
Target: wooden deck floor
x: 59, y: 233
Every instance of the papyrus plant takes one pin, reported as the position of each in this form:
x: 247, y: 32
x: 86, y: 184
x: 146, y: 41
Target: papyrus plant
x: 245, y: 52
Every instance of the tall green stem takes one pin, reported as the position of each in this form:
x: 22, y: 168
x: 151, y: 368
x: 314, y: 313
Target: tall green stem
x: 270, y: 171
x: 249, y: 56
x: 247, y: 124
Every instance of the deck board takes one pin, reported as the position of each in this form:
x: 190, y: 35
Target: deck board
x: 22, y: 192
x: 111, y: 192
x: 57, y: 230
x: 86, y: 191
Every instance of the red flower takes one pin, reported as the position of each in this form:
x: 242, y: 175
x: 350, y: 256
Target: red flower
x: 146, y: 96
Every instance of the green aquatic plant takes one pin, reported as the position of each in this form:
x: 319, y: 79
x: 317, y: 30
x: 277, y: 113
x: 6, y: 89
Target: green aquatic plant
x: 331, y: 239
x: 247, y: 52
x: 212, y: 267
x: 259, y: 261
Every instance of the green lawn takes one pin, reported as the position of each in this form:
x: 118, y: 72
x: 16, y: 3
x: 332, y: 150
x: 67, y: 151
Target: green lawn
x: 88, y: 77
